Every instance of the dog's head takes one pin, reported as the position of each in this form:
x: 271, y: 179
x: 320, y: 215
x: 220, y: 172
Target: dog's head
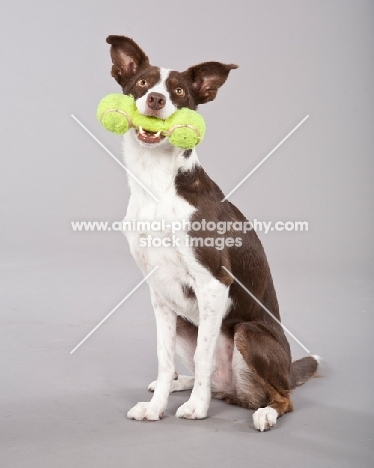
x: 158, y: 91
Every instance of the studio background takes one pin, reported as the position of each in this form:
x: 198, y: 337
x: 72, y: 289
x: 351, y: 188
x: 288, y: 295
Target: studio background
x: 295, y: 58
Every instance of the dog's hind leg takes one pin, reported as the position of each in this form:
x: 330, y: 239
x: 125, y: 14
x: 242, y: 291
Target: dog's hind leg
x: 180, y: 383
x: 268, y: 359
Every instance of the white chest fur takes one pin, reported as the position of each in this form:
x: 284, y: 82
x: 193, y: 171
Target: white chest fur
x: 156, y: 169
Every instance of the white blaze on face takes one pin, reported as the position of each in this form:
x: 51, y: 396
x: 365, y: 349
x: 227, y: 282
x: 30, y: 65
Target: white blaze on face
x: 160, y: 87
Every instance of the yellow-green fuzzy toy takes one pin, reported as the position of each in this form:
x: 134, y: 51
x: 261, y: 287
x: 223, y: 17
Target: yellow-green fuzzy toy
x: 118, y: 113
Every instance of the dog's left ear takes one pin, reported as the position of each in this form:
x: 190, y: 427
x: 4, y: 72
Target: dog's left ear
x: 206, y: 78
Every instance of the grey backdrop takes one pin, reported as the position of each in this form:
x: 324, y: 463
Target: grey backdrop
x: 295, y: 58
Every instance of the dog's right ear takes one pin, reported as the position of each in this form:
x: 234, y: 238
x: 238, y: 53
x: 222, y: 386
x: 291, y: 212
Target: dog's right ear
x: 127, y: 58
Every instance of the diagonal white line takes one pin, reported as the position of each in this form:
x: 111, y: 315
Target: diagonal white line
x: 116, y: 307
x: 265, y: 158
x: 268, y: 311
x: 112, y: 155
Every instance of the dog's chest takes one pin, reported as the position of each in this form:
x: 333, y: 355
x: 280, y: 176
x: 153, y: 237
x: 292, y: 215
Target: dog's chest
x: 157, y: 169
x: 158, y: 241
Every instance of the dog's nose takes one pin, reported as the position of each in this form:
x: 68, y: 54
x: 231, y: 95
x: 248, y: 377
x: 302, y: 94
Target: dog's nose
x: 156, y: 101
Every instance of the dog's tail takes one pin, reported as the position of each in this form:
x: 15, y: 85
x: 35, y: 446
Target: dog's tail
x: 303, y: 369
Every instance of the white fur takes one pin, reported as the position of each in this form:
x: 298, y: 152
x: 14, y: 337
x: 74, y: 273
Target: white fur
x: 143, y: 411
x: 213, y: 302
x: 183, y: 382
x: 157, y: 166
x: 229, y: 365
x: 265, y: 418
x: 239, y: 371
x: 222, y: 377
x: 317, y: 358
x: 166, y: 325
x: 160, y: 87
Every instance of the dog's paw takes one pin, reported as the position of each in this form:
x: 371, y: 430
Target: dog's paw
x: 152, y: 386
x: 190, y: 410
x: 265, y: 418
x: 144, y: 411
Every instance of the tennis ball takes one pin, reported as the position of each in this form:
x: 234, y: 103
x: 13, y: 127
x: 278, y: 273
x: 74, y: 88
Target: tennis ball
x: 114, y: 113
x: 118, y: 113
x: 186, y: 128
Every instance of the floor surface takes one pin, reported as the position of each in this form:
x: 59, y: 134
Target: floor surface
x: 63, y: 410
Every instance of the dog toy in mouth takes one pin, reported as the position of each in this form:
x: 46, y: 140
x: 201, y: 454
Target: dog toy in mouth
x: 118, y: 113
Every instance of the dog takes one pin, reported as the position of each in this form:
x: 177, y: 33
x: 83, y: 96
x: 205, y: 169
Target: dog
x: 236, y: 351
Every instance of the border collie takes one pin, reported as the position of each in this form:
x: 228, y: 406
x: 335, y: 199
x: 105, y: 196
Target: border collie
x: 236, y: 351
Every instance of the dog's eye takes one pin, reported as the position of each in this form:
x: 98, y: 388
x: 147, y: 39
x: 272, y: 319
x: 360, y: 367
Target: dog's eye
x: 179, y: 91
x: 142, y: 83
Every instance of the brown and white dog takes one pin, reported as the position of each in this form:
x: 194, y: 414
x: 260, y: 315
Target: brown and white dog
x: 234, y: 348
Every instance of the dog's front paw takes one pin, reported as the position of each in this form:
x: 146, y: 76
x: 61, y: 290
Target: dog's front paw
x: 192, y: 410
x: 265, y: 418
x: 144, y: 411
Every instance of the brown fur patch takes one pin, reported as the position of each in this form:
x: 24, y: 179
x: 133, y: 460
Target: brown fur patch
x: 302, y: 370
x: 248, y: 262
x: 188, y: 292
x: 264, y: 354
x: 206, y: 78
x: 127, y: 57
x: 178, y: 80
x: 269, y: 361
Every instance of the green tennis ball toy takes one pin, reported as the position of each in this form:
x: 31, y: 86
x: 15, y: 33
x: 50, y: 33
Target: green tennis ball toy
x: 118, y: 113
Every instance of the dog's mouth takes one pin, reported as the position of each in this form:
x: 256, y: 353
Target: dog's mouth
x: 149, y: 137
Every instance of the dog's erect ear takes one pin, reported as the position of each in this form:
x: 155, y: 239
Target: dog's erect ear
x: 206, y: 78
x: 127, y: 57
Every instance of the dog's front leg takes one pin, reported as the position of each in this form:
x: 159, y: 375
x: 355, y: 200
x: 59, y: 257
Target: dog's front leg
x: 166, y: 320
x: 212, y: 300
